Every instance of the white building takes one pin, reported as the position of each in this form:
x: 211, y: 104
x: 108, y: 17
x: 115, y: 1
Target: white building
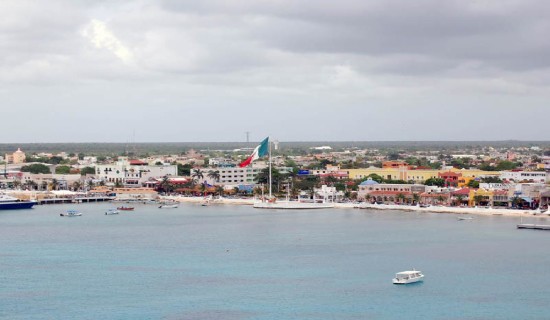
x: 526, y: 176
x: 133, y: 173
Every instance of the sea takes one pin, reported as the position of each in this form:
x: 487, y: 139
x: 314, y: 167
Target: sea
x: 236, y: 262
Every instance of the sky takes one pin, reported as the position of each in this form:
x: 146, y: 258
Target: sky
x: 295, y: 70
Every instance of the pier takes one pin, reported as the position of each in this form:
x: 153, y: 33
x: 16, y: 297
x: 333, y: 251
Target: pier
x: 533, y: 226
x: 75, y: 200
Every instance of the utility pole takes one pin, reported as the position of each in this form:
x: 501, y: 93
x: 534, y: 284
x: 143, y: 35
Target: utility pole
x: 247, y: 136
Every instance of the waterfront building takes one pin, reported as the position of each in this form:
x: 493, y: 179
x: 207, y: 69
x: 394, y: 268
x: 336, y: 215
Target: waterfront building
x: 415, y: 176
x: 49, y: 180
x: 388, y: 192
x: 133, y: 173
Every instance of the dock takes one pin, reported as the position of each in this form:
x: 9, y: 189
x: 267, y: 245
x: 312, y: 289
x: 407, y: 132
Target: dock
x: 533, y: 226
x: 75, y: 200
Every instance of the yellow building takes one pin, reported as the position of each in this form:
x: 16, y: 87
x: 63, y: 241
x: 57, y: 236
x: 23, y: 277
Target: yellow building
x: 16, y: 158
x: 418, y: 176
x: 486, y: 197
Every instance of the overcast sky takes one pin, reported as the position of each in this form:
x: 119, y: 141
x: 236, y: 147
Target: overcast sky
x: 210, y: 70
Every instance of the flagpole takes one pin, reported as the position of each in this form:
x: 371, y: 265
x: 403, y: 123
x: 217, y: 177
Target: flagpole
x: 269, y: 142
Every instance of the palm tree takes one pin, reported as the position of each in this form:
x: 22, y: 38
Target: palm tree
x: 30, y: 184
x: 459, y: 199
x: 416, y: 197
x: 44, y: 185
x: 76, y: 185
x: 368, y: 197
x: 16, y: 184
x: 400, y: 197
x: 219, y: 190
x: 440, y: 199
x: 198, y: 174
x: 203, y: 189
x: 54, y: 184
x: 478, y: 199
x: 214, y: 175
x: 165, y: 184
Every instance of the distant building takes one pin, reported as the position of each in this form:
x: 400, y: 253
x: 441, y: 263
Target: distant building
x: 16, y: 158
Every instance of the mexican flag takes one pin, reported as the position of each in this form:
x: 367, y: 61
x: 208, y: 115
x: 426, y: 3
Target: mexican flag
x: 259, y: 152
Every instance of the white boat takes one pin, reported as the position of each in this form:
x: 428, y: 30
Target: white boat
x: 71, y: 213
x: 111, y: 211
x: 406, y: 277
x: 168, y: 206
x: 465, y: 218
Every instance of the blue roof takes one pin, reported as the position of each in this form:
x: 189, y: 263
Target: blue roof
x: 527, y: 199
x: 368, y: 182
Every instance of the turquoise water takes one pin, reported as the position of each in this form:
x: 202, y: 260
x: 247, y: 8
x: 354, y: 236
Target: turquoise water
x: 236, y: 262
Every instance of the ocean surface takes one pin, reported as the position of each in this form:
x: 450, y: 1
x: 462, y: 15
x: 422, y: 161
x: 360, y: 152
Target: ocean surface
x: 236, y: 262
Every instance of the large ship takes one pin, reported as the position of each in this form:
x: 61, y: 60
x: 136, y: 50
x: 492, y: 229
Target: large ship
x: 11, y: 203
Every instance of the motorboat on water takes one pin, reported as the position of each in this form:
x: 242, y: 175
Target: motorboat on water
x: 406, y: 277
x: 168, y: 206
x: 111, y: 211
x: 71, y: 213
x: 11, y: 203
x: 123, y: 208
x: 464, y: 218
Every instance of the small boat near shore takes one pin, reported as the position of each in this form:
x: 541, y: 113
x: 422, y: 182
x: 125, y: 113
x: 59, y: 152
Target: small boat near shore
x: 168, y: 206
x: 71, y: 213
x: 406, y: 277
x: 111, y: 211
x: 123, y: 208
x: 465, y: 218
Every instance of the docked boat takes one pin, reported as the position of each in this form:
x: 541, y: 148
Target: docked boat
x: 111, y: 211
x: 70, y: 213
x: 407, y: 277
x: 11, y: 203
x: 123, y: 208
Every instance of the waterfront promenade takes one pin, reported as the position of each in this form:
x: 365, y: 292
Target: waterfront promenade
x: 433, y: 209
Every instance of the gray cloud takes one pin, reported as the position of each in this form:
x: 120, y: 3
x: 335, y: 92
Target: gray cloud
x: 295, y: 69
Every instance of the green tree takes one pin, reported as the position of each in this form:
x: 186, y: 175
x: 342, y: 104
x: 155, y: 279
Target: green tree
x: 491, y: 180
x: 36, y: 168
x: 506, y: 165
x: 478, y: 199
x: 435, y: 182
x: 473, y: 184
x: 87, y: 170
x: 400, y: 197
x: 214, y: 175
x: 55, y: 160
x: 375, y: 177
x: 416, y: 197
x: 198, y: 174
x: 184, y: 169
x: 63, y: 170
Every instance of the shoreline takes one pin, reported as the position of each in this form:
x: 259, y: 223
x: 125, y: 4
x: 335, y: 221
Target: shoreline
x: 432, y: 209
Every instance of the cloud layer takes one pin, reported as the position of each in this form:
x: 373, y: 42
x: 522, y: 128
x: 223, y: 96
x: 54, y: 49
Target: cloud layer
x: 211, y: 70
